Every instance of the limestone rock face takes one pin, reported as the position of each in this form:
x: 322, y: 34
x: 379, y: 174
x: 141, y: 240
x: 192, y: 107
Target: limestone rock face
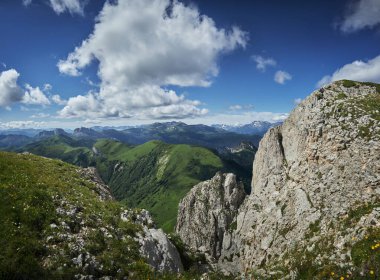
x: 207, y: 216
x: 315, y: 189
x: 311, y: 171
x: 155, y: 246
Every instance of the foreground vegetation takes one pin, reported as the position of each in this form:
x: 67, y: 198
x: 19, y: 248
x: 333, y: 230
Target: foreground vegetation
x: 50, y: 214
x: 39, y: 242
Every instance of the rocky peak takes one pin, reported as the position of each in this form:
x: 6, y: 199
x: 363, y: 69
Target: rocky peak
x: 316, y: 191
x: 49, y: 133
x: 87, y: 132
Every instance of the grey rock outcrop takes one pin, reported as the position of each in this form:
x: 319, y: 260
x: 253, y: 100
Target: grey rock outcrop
x: 101, y: 189
x: 155, y: 246
x: 207, y: 216
x: 312, y: 178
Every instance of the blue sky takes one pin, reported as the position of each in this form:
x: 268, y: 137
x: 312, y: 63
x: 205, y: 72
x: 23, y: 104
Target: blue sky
x: 197, y: 61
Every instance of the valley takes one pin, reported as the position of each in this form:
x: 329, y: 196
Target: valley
x: 154, y: 175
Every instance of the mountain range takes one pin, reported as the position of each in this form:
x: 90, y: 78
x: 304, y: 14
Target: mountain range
x: 253, y: 128
x: 169, y: 132
x: 311, y: 211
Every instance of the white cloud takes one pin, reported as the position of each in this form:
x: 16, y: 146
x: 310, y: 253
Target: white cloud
x: 262, y: 63
x: 235, y: 107
x: 71, y: 6
x: 142, y: 46
x: 10, y: 92
x: 26, y: 2
x: 281, y: 77
x: 34, y: 96
x: 362, y: 14
x: 297, y: 101
x: 145, y: 101
x: 93, y: 121
x: 21, y: 124
x: 62, y: 6
x: 239, y: 107
x: 48, y: 87
x: 40, y: 116
x: 358, y: 71
x: 58, y: 100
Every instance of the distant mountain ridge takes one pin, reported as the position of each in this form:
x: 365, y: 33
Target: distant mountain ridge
x: 253, y: 128
x: 169, y: 132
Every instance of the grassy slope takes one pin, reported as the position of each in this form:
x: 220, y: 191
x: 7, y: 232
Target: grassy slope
x: 63, y: 147
x: 28, y: 185
x: 156, y: 175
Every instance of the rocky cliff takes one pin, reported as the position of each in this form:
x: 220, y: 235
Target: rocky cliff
x: 314, y: 210
x: 207, y: 216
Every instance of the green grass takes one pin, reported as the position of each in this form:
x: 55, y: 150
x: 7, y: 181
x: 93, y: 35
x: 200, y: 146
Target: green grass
x: 64, y: 148
x: 358, y: 106
x: 348, y: 83
x: 366, y: 253
x: 28, y: 185
x: 156, y: 176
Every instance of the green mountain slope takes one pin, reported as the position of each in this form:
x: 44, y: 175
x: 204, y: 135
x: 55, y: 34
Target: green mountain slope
x: 154, y: 175
x: 63, y: 147
x: 50, y: 213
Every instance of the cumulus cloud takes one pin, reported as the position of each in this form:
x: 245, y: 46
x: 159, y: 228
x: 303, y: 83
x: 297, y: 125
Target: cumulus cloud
x: 281, y: 77
x: 361, y: 15
x: 10, y: 92
x: 34, y: 96
x: 262, y: 63
x: 362, y: 71
x: 142, y: 46
x: 297, y: 101
x: 145, y: 101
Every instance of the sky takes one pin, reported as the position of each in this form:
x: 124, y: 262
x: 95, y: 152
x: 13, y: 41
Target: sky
x: 71, y: 63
